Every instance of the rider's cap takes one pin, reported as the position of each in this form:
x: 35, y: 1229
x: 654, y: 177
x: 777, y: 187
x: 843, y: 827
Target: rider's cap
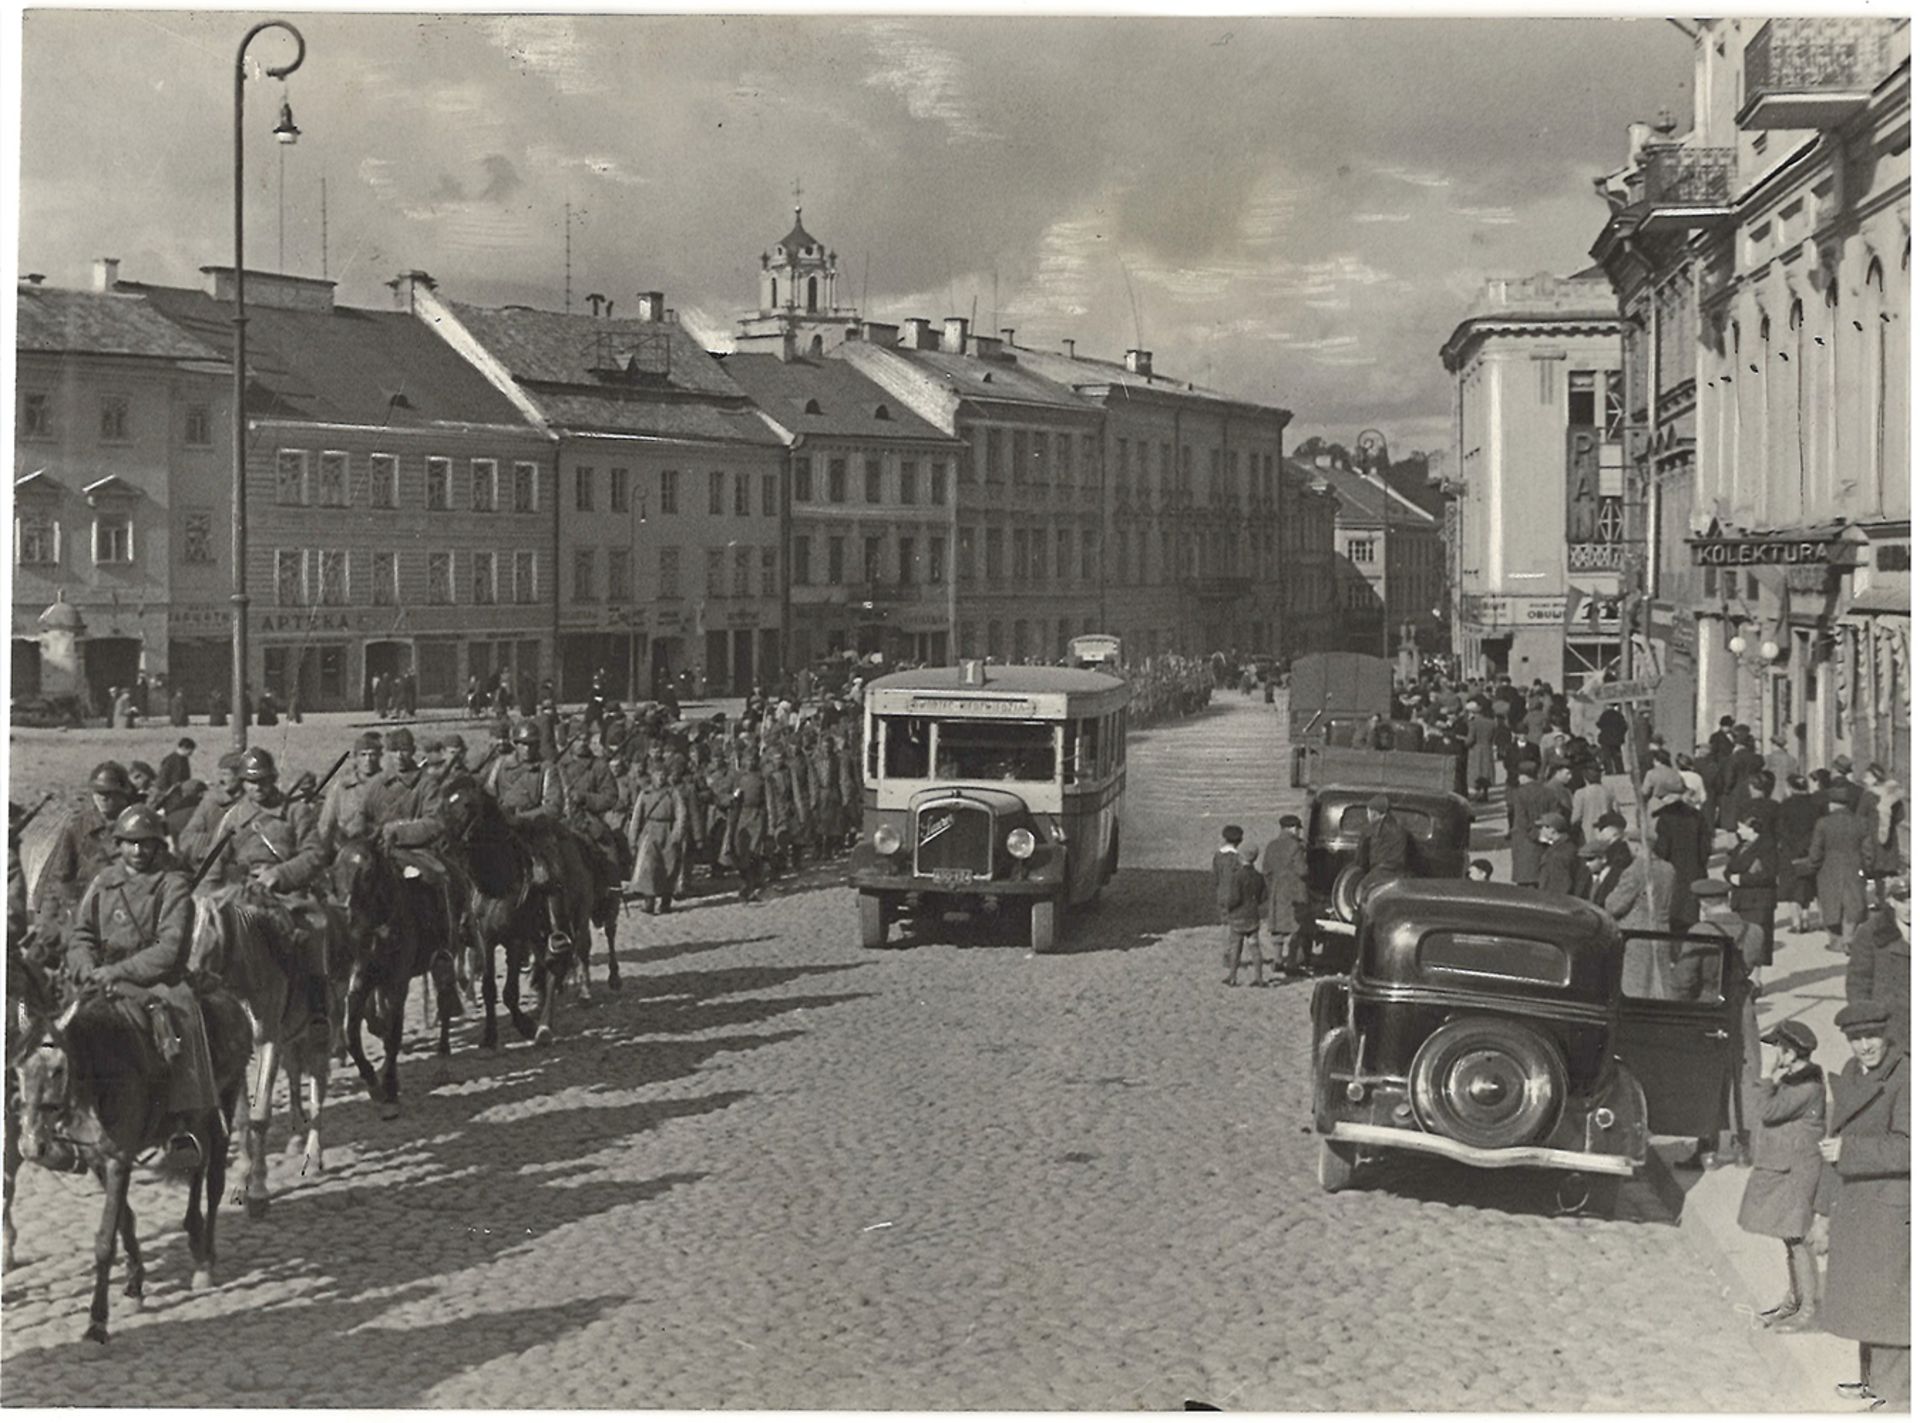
x: 257, y: 765
x: 454, y: 741
x: 400, y: 739
x: 109, y: 777
x: 140, y: 768
x: 230, y: 760
x: 502, y: 729
x: 367, y: 741
x: 140, y: 822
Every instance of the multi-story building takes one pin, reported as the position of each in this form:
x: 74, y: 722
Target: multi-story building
x: 122, y: 427
x: 668, y: 535
x: 1398, y: 556
x: 1193, y: 502
x: 399, y: 509
x: 871, y: 523
x: 1540, y: 427
x: 1309, y: 565
x: 1027, y: 512
x: 1760, y: 260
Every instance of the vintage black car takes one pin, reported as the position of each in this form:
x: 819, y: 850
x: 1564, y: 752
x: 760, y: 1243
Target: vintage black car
x: 1487, y: 1023
x: 1439, y: 826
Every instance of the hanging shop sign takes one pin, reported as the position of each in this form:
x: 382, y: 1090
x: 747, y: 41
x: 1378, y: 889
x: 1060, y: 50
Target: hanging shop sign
x: 1717, y: 550
x: 1514, y: 609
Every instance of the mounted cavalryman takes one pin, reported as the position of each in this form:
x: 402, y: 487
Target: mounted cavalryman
x: 82, y: 847
x: 131, y: 937
x: 591, y: 793
x: 533, y: 796
x: 345, y: 814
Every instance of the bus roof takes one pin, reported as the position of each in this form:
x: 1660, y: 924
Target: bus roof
x: 1028, y: 680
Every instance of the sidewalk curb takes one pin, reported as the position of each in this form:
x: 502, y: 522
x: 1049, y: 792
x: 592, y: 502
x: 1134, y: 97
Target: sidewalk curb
x: 1796, y: 1360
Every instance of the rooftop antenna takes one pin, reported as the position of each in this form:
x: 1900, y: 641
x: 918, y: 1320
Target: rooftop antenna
x: 996, y: 298
x: 866, y: 270
x: 566, y: 291
x: 323, y: 227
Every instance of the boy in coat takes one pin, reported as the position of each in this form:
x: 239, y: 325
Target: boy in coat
x: 1245, y: 900
x: 1778, y: 1201
x: 1866, y: 1195
x: 1226, y: 861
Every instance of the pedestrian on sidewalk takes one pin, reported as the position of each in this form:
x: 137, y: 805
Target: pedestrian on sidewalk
x: 1799, y: 813
x: 1682, y: 839
x: 1246, y: 899
x: 1561, y: 869
x: 1866, y: 1195
x: 1753, y: 869
x: 1694, y: 974
x: 1837, y: 856
x: 1778, y: 1201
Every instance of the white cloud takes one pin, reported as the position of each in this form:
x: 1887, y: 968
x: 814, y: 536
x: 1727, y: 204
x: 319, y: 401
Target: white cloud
x: 1383, y: 217
x: 929, y: 80
x: 1417, y: 179
x: 1491, y: 216
x: 547, y: 45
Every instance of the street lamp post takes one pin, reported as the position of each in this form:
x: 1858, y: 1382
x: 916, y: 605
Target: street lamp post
x: 286, y: 133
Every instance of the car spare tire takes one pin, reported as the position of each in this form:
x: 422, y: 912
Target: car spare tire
x: 1488, y: 1082
x: 1345, y: 898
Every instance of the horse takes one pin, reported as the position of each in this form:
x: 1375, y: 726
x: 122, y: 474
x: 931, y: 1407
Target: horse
x: 277, y: 962
x: 93, y: 1089
x: 604, y: 914
x: 539, y: 927
x: 399, y: 928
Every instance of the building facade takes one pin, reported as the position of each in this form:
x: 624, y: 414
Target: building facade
x: 398, y: 507
x: 122, y: 432
x: 871, y: 512
x: 800, y: 307
x: 1540, y: 434
x: 670, y: 521
x: 1397, y: 555
x: 1762, y: 261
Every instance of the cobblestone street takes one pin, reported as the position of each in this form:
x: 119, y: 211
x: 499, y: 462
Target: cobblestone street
x: 781, y: 1171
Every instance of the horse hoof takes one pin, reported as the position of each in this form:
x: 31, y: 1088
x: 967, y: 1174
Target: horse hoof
x: 389, y: 1111
x: 202, y: 1280
x: 134, y: 1300
x: 542, y: 1035
x: 613, y: 983
x: 257, y: 1207
x: 96, y: 1334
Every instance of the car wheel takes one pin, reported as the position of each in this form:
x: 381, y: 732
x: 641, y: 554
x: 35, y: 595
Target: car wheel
x: 1488, y: 1082
x: 1346, y: 894
x: 873, y: 921
x: 1335, y: 1166
x: 1043, y: 925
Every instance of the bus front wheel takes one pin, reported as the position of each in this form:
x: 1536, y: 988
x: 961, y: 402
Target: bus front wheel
x: 1043, y: 925
x: 873, y: 921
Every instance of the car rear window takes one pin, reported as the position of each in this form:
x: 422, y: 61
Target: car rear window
x: 1496, y: 956
x: 1353, y: 821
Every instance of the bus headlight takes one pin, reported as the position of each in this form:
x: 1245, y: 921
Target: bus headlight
x: 887, y: 840
x: 1020, y: 843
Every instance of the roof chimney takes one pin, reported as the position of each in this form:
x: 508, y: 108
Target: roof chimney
x: 987, y: 348
x: 598, y: 303
x: 1068, y: 343
x: 33, y: 279
x: 653, y: 306
x: 106, y: 271
x: 1006, y: 334
x: 920, y: 335
x: 1140, y: 363
x: 407, y: 285
x: 953, y: 340
x: 879, y: 333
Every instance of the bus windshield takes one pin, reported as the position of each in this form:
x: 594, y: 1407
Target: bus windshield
x: 995, y: 751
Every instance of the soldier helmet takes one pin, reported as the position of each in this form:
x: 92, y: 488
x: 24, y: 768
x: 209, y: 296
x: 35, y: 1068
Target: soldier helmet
x: 453, y: 741
x: 230, y: 760
x: 502, y: 729
x: 140, y: 768
x: 109, y: 778
x: 140, y: 822
x: 400, y: 739
x: 257, y: 765
x: 367, y: 741
x: 527, y: 733
x: 614, y: 733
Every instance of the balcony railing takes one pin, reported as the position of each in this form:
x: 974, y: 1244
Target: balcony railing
x: 1813, y: 73
x: 1688, y: 187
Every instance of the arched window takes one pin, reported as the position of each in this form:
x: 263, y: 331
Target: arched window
x: 813, y: 406
x: 1827, y: 343
x: 773, y: 291
x: 813, y: 293
x: 880, y: 412
x: 815, y: 347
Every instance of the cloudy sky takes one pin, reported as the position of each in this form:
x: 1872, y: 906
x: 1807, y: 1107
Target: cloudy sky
x: 1296, y: 210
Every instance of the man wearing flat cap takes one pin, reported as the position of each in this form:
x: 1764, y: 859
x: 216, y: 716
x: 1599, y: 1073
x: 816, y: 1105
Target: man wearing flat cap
x: 1880, y: 960
x: 1778, y: 1201
x: 1285, y: 866
x: 1561, y: 870
x: 1695, y: 971
x: 1527, y: 801
x: 1386, y: 850
x: 1866, y: 1194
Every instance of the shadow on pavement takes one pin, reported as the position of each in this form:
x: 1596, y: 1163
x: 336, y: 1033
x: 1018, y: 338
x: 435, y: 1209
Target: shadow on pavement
x: 1514, y: 1191
x: 318, y: 1355
x: 660, y: 953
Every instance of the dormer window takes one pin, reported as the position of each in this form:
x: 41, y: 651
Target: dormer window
x: 986, y: 378
x: 880, y: 412
x: 812, y: 407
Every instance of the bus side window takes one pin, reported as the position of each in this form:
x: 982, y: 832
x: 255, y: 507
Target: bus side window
x: 874, y: 734
x: 1090, y: 741
x: 1069, y: 763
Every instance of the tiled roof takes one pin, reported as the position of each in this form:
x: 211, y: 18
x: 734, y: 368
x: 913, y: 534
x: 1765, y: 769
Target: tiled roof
x: 54, y: 319
x: 972, y: 378
x: 664, y: 419
x: 344, y: 366
x: 847, y: 400
x: 1083, y: 371
x: 560, y: 348
x: 1361, y: 498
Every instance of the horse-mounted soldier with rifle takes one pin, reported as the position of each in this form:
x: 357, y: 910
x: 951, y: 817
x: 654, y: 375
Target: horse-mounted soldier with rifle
x: 533, y: 797
x: 82, y: 847
x: 407, y: 809
x: 592, y: 791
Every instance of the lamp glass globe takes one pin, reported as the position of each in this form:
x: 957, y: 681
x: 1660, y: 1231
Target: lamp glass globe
x: 1736, y: 644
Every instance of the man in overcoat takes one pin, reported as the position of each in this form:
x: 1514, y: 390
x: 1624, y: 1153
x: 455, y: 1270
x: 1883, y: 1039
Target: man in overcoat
x: 1285, y: 866
x: 1837, y: 856
x: 1880, y: 962
x: 1866, y: 1194
x: 82, y: 847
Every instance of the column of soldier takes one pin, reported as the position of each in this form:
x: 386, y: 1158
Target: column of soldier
x: 1167, y: 686
x: 662, y: 806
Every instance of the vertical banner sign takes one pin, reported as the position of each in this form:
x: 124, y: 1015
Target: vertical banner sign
x: 1583, y: 484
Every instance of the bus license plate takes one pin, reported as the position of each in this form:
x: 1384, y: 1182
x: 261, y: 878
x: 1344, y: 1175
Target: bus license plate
x: 950, y: 876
